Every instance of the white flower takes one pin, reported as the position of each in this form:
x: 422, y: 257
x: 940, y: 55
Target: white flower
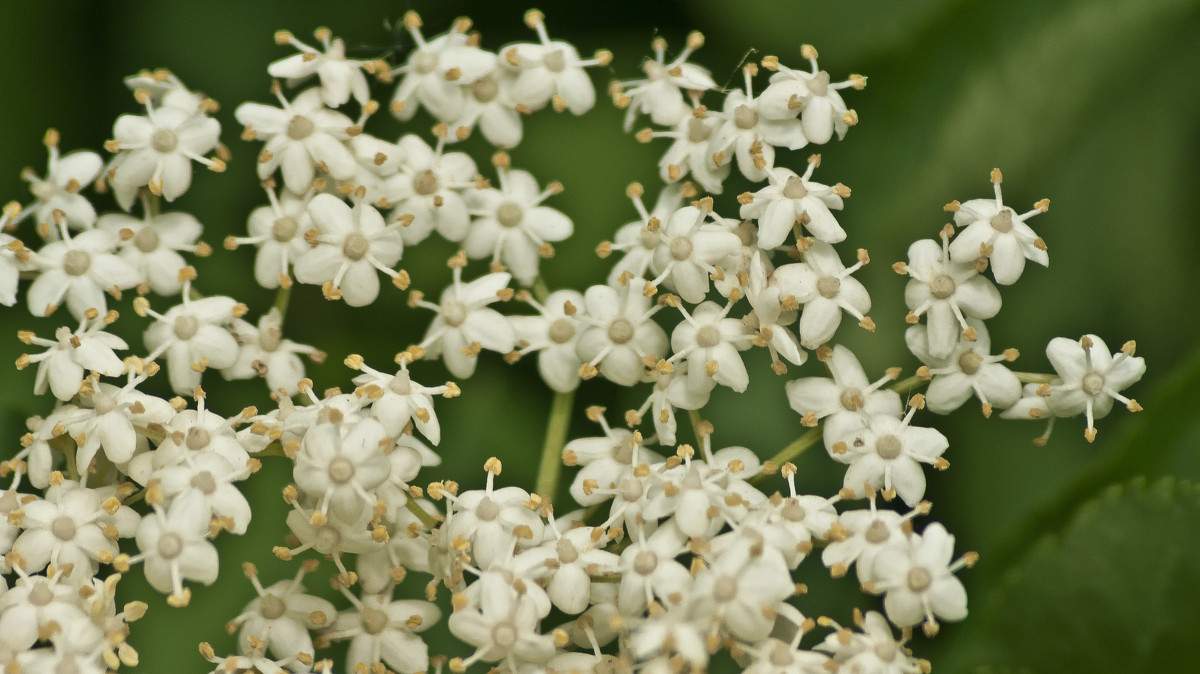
x: 157, y: 150
x: 489, y: 104
x: 36, y: 601
x: 996, y: 232
x: 395, y: 400
x: 919, y: 580
x: 174, y: 547
x: 638, y: 240
x: 464, y: 324
x: 604, y: 459
x: 193, y: 337
x: 340, y: 77
x: 752, y: 137
x: 772, y: 312
x: 568, y: 562
x: 73, y: 527
x: 350, y: 244
x: 969, y: 369
x: 887, y: 454
x: 741, y: 589
x: 70, y: 355
x: 427, y: 189
x: 690, y: 250
x: 845, y: 398
x: 381, y: 630
x: 81, y: 269
x: 341, y: 461
x: 621, y: 335
x: 282, y: 615
x: 671, y: 390
x: 949, y: 292
x: 299, y: 136
x: 821, y: 108
x: 661, y: 93
x: 264, y: 352
x: 649, y: 570
x: 191, y: 434
x: 59, y: 190
x: 860, y: 535
x: 710, y: 342
x: 553, y: 334
x: 688, y: 154
x: 1089, y: 379
x: 434, y: 70
x: 511, y: 226
x: 792, y: 199
x: 552, y: 70
x: 874, y: 649
x: 825, y: 287
x: 14, y: 258
x: 492, y: 520
x: 151, y: 245
x: 501, y: 623
x: 110, y: 424
x: 278, y: 232
x: 212, y: 476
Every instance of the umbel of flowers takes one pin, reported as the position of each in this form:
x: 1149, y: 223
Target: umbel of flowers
x: 665, y: 552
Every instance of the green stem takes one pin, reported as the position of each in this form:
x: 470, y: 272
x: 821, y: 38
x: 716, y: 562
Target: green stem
x: 540, y: 290
x: 282, y: 297
x: 556, y: 437
x: 421, y: 515
x: 694, y: 417
x: 1034, y: 377
x: 797, y: 447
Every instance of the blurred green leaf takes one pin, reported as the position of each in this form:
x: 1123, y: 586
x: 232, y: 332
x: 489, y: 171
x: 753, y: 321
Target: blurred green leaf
x: 1111, y: 593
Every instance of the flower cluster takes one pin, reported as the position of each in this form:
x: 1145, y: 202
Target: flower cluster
x: 672, y: 551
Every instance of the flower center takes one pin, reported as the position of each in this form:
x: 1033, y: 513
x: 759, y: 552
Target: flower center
x: 725, y: 589
x: 485, y: 89
x: 271, y: 607
x: 1093, y: 383
x: 852, y: 399
x: 401, y: 384
x: 567, y: 554
x: 886, y: 651
x: 284, y: 229
x: 103, y: 403
x: 744, y: 117
x: 170, y: 546
x: 300, y: 127
x: 373, y: 620
x: 504, y: 634
x: 327, y: 539
x: 425, y: 62
x: 698, y: 131
x: 270, y: 339
x: 942, y: 286
x: 425, y: 182
x: 829, y: 286
x: 561, y: 331
x: 554, y: 61
x: 919, y: 579
x: 487, y: 510
x: 341, y: 470
x: 887, y: 446
x: 650, y: 238
x: 878, y: 532
x: 708, y: 336
x: 197, y: 438
x: 63, y: 528
x: 1002, y: 222
x: 454, y: 313
x: 205, y: 482
x: 509, y: 214
x: 631, y: 489
x: 355, y: 246
x: 186, y: 327
x: 793, y: 511
x: 76, y: 262
x: 164, y: 140
x: 645, y: 562
x: 146, y: 240
x: 681, y: 248
x: 819, y: 84
x: 969, y: 362
x: 794, y: 188
x: 620, y: 331
x: 41, y: 594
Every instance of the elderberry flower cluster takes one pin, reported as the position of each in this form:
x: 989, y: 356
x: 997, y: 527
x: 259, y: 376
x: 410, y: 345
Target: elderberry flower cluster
x: 671, y: 551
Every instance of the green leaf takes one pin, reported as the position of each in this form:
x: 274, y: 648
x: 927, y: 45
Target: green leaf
x: 1113, y: 592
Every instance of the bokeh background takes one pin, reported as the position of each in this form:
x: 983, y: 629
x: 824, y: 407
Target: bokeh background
x: 1092, y: 103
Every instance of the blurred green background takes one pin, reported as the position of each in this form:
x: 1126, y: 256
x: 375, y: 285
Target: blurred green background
x: 1091, y: 103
